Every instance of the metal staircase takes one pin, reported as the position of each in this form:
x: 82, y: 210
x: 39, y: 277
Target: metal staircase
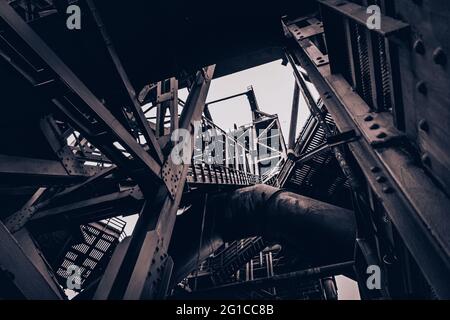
x: 314, y: 160
x: 220, y: 175
x: 92, y: 254
x: 234, y: 256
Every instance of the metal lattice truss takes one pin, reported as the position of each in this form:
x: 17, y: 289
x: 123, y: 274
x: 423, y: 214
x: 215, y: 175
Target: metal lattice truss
x: 108, y: 164
x: 85, y: 153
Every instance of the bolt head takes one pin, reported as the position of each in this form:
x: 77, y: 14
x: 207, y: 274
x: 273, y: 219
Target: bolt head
x: 388, y: 190
x: 382, y: 135
x: 381, y: 179
x: 375, y: 169
x: 440, y: 57
x: 422, y: 87
x: 424, y: 126
x: 419, y: 47
x: 368, y: 118
x: 426, y: 160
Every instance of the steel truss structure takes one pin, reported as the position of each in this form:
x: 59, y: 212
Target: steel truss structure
x: 100, y: 147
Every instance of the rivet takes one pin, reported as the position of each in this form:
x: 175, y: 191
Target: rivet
x: 388, y: 189
x: 439, y: 56
x: 375, y: 169
x: 381, y: 179
x: 375, y: 126
x: 381, y: 135
x: 422, y: 87
x: 419, y: 47
x: 389, y: 259
x: 368, y: 118
x: 423, y: 125
x: 426, y: 159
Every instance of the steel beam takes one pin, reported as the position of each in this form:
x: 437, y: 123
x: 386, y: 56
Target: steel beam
x: 105, y: 131
x: 17, y: 220
x: 413, y: 202
x: 294, y: 117
x: 125, y: 202
x: 327, y: 146
x: 167, y: 99
x: 137, y: 273
x: 58, y: 143
x: 29, y: 278
x: 35, y: 172
x: 137, y: 109
x: 357, y: 13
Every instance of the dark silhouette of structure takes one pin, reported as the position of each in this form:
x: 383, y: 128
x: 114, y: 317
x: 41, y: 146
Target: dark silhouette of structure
x: 89, y: 118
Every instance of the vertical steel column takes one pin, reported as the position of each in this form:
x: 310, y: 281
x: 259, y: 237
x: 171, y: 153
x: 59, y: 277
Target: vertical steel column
x: 294, y: 117
x: 140, y: 268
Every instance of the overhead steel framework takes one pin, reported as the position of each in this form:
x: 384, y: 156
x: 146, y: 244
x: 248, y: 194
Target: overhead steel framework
x: 92, y: 123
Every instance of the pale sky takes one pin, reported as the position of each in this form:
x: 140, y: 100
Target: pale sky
x: 273, y: 84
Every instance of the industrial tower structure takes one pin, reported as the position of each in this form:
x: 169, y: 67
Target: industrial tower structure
x: 88, y: 130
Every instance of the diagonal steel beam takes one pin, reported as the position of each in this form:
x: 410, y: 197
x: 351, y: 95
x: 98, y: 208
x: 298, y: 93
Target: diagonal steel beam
x: 123, y: 202
x: 75, y: 94
x: 29, y: 278
x: 135, y: 274
x: 417, y: 207
x: 146, y: 130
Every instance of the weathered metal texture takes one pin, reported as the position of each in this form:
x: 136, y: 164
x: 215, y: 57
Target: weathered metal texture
x: 416, y: 205
x: 425, y: 78
x: 17, y: 220
x: 400, y: 117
